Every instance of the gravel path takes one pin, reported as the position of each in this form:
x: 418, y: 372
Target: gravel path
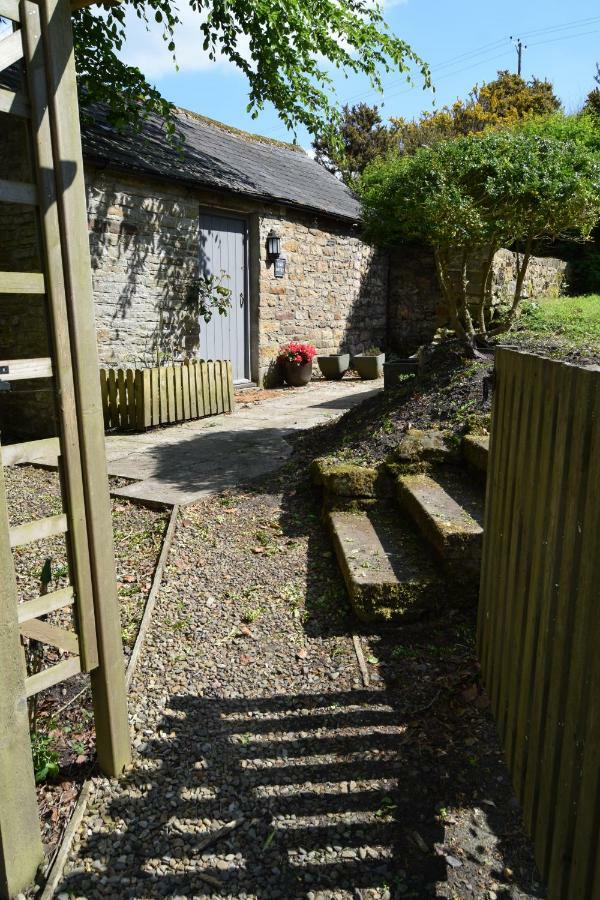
x: 249, y: 714
x: 65, y: 718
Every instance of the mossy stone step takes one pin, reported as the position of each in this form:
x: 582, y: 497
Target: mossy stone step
x: 389, y: 573
x: 475, y: 449
x: 448, y: 510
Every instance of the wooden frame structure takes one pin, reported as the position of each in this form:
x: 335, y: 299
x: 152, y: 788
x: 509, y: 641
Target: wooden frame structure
x: 42, y: 40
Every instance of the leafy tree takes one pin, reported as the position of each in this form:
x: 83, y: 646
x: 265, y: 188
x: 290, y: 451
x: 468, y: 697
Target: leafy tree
x: 592, y: 103
x: 292, y: 45
x: 362, y: 137
x: 471, y: 196
x: 582, y: 128
x: 505, y: 101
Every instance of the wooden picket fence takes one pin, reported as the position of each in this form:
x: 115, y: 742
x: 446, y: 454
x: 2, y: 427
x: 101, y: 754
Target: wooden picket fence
x: 539, y: 614
x: 137, y: 399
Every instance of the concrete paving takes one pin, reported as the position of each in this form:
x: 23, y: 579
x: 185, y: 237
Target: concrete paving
x: 184, y: 462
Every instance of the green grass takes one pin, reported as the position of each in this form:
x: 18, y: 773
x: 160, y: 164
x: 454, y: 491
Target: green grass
x: 575, y: 319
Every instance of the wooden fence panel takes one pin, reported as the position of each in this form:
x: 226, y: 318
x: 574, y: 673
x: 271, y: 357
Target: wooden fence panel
x: 539, y: 617
x: 137, y: 399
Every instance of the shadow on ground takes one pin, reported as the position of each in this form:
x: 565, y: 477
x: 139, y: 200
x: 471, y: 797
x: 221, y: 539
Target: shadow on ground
x: 262, y: 745
x: 337, y: 790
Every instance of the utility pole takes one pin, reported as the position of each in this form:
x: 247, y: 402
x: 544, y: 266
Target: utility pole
x: 519, y: 46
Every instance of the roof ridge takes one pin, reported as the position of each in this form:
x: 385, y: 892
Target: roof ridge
x: 239, y: 132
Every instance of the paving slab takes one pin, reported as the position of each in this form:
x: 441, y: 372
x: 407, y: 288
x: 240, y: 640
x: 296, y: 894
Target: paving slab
x: 182, y: 463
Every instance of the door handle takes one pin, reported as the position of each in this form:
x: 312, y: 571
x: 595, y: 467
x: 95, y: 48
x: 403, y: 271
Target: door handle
x: 242, y: 299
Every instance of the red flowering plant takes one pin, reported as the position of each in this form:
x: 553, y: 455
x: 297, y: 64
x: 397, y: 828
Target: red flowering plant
x: 296, y: 352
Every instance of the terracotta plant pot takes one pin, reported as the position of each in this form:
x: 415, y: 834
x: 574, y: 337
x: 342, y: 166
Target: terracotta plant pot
x: 335, y: 366
x: 297, y: 375
x: 368, y: 366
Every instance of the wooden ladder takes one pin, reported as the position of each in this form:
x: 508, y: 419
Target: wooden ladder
x: 41, y: 41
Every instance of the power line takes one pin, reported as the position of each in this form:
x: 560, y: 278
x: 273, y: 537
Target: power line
x: 471, y: 54
x: 574, y: 23
x: 553, y: 40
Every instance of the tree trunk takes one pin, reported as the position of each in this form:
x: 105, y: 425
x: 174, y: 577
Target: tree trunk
x: 457, y: 306
x: 508, y: 322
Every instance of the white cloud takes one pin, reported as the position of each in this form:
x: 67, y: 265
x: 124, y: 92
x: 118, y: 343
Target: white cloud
x: 146, y: 49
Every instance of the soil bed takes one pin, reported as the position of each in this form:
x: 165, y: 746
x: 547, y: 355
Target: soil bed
x: 65, y: 719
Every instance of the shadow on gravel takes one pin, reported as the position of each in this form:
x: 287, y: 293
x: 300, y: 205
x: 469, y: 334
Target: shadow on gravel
x: 318, y: 783
x: 450, y: 767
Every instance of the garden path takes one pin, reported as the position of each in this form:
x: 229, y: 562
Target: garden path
x: 264, y: 768
x: 180, y: 464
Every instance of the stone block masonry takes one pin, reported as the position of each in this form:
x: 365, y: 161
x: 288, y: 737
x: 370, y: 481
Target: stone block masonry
x: 145, y: 240
x: 417, y: 308
x: 333, y: 293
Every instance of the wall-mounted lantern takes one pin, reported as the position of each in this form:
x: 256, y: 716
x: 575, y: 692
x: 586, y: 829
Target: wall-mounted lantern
x: 273, y: 245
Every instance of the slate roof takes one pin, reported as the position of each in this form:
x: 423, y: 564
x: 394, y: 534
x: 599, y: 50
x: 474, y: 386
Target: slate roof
x: 218, y: 157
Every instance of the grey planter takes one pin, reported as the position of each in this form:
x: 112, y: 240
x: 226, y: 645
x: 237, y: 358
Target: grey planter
x: 368, y: 367
x: 334, y: 367
x: 393, y: 370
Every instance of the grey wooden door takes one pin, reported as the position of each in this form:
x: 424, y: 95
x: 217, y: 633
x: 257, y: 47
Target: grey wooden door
x: 223, y: 252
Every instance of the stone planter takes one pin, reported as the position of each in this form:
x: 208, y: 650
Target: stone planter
x: 334, y: 367
x: 368, y: 367
x: 297, y: 375
x: 393, y: 370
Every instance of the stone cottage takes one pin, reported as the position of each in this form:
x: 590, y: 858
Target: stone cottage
x: 161, y: 218
x: 165, y: 220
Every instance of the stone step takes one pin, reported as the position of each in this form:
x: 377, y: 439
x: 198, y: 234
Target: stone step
x: 475, y: 450
x: 448, y: 511
x: 389, y: 572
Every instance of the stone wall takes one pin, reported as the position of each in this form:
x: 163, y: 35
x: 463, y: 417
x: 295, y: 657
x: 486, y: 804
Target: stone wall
x: 144, y: 249
x: 416, y: 305
x: 144, y: 239
x: 333, y: 293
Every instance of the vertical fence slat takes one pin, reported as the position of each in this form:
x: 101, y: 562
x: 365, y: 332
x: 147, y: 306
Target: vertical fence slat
x: 130, y: 390
x: 155, y: 392
x: 498, y: 439
x: 163, y: 405
x: 192, y: 385
x: 113, y: 399
x: 122, y: 392
x: 185, y: 387
x: 539, y: 619
x: 218, y: 385
x: 206, y: 408
x: 230, y: 389
x: 172, y: 413
x: 105, y: 398
x: 501, y: 531
x: 177, y: 381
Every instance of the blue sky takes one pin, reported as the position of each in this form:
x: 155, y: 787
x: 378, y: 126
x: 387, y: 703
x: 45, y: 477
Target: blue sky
x: 465, y: 42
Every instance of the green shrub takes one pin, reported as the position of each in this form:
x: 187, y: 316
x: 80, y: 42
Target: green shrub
x: 45, y: 758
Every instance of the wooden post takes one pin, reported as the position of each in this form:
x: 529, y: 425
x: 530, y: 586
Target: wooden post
x: 62, y: 364
x: 20, y: 842
x: 108, y: 680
